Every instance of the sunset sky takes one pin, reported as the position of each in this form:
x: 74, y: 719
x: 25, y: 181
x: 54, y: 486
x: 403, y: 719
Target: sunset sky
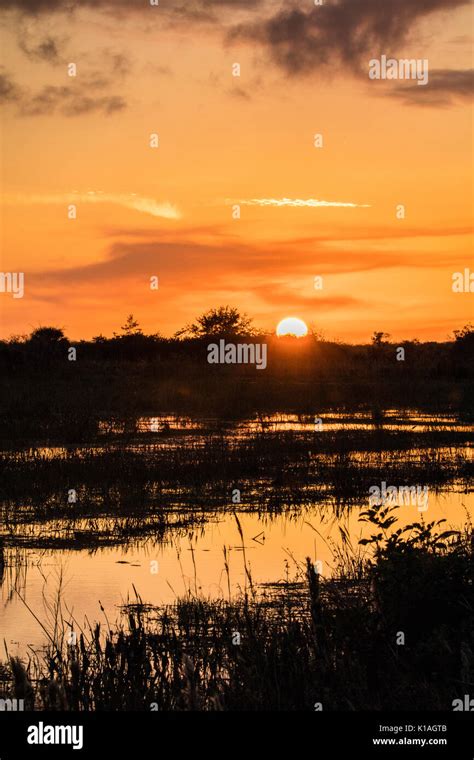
x: 224, y: 140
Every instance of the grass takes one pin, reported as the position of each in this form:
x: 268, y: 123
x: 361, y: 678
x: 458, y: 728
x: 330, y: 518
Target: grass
x: 301, y: 643
x: 158, y: 484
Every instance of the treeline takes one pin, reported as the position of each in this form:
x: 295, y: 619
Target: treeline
x: 45, y: 386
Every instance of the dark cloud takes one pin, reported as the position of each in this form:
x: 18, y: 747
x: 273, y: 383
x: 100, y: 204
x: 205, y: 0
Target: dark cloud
x: 197, y: 9
x: 120, y: 64
x: 239, y: 92
x: 108, y: 104
x: 114, y: 67
x: 9, y: 91
x: 34, y: 6
x: 445, y: 87
x: 44, y: 50
x: 90, y: 92
x: 345, y: 33
x: 70, y: 101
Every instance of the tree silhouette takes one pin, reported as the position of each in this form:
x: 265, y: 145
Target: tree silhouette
x: 131, y: 327
x: 225, y: 320
x: 465, y: 334
x: 47, y: 336
x: 47, y: 342
x: 379, y: 337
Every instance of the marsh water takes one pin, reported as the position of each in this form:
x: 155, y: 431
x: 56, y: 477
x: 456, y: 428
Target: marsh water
x: 98, y: 557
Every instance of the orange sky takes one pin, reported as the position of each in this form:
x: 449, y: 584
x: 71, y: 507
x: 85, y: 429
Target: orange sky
x: 166, y: 212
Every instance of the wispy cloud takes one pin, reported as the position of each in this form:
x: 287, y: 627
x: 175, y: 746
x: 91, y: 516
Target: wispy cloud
x: 278, y: 294
x: 70, y: 101
x: 9, y: 90
x: 92, y: 92
x: 235, y: 264
x: 132, y: 201
x: 67, y: 99
x: 296, y: 203
x: 446, y: 87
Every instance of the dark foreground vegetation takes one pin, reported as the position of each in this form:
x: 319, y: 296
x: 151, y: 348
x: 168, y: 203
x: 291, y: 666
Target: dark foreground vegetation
x: 394, y: 632
x: 48, y: 393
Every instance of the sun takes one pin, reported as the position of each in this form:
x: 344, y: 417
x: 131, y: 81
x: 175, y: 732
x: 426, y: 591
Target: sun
x: 292, y: 326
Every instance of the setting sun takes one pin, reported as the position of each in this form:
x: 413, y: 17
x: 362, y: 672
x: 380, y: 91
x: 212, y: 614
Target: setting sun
x: 292, y: 326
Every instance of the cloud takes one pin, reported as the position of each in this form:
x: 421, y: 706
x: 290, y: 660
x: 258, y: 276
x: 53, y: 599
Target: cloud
x: 9, y: 91
x: 281, y: 295
x: 46, y: 49
x: 239, y: 92
x: 297, y: 203
x: 383, y: 234
x: 127, y: 200
x: 192, y: 9
x: 120, y: 63
x: 91, y: 91
x: 232, y: 265
x: 301, y: 39
x: 343, y: 34
x: 356, y: 234
x: 69, y: 100
x: 273, y: 276
x: 445, y: 87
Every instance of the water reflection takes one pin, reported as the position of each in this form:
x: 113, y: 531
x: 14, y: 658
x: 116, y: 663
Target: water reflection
x: 191, y: 559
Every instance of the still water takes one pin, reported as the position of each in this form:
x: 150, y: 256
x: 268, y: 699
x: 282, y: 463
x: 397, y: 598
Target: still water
x: 191, y: 560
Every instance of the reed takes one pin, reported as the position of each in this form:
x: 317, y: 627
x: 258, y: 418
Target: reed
x: 310, y: 641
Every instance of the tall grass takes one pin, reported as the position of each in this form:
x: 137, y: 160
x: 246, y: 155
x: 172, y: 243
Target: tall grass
x: 333, y: 643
